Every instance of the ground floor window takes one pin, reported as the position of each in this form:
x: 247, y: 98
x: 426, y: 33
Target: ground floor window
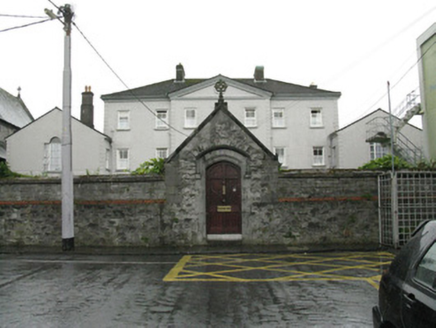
x: 53, y: 155
x: 378, y: 150
x: 161, y: 152
x: 122, y: 159
x: 281, y: 155
x: 318, y: 156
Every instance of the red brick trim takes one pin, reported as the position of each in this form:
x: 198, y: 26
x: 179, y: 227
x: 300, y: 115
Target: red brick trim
x: 326, y: 199
x: 120, y: 202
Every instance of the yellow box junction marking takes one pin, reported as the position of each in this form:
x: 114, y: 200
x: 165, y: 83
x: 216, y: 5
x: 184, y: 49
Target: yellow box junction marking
x: 361, y: 266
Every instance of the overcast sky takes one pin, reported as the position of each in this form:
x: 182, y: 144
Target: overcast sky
x: 350, y: 46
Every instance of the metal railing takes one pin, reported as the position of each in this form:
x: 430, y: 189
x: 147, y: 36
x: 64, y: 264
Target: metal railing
x: 406, y: 199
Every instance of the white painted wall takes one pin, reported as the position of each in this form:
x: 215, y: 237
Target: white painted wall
x: 25, y: 148
x: 298, y: 137
x: 352, y: 149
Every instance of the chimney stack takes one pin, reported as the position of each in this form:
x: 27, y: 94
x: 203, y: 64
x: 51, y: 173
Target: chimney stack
x: 87, y: 108
x: 180, y: 73
x: 259, y: 74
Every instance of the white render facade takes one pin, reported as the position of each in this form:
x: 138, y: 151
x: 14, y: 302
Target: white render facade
x: 353, y: 149
x: 290, y: 120
x: 36, y: 148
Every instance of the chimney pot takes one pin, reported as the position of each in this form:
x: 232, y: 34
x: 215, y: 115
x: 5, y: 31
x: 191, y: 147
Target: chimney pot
x: 180, y: 73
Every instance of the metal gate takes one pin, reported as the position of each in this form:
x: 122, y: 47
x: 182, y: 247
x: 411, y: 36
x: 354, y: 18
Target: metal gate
x: 406, y: 198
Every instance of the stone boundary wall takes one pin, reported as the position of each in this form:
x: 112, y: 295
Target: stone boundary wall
x: 109, y: 211
x: 334, y: 208
x: 310, y: 208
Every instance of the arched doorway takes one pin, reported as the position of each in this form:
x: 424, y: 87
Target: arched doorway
x: 223, y: 199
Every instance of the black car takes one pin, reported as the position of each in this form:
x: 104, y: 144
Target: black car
x: 407, y: 293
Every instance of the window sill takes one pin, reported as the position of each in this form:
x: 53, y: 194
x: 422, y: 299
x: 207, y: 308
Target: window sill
x: 123, y: 129
x: 317, y: 127
x: 162, y: 129
x: 189, y: 127
x: 251, y: 126
x: 279, y: 127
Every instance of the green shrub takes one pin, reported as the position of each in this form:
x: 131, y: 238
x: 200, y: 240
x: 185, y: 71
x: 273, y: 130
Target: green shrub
x: 5, y: 171
x: 385, y: 163
x: 154, y: 165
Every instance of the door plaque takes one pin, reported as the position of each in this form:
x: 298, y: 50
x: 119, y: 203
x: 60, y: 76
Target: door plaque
x: 221, y: 208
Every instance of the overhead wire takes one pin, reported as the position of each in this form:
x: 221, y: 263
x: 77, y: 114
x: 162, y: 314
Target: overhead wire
x: 397, y: 82
x: 26, y: 25
x: 125, y: 85
x: 21, y: 16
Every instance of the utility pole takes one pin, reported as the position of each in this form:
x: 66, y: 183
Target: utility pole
x: 394, y: 193
x: 67, y: 174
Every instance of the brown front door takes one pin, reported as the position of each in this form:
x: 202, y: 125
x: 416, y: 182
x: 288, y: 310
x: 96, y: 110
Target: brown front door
x: 223, y: 199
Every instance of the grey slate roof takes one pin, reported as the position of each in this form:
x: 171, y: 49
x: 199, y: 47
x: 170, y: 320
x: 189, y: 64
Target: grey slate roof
x: 13, y: 110
x: 165, y: 88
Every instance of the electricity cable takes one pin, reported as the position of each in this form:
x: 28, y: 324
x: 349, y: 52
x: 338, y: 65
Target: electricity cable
x: 125, y: 85
x: 399, y: 80
x: 21, y: 16
x: 26, y: 25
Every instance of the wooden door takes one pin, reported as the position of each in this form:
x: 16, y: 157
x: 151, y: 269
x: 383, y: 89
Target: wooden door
x: 223, y: 199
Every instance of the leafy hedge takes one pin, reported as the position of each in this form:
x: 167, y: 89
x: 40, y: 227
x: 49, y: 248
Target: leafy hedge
x: 5, y: 171
x: 154, y: 165
x: 385, y: 163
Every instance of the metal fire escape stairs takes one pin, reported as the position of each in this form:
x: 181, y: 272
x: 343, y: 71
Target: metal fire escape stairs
x: 378, y: 130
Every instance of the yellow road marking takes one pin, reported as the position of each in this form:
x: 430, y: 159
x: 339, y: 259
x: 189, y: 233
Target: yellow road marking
x: 177, y: 268
x: 286, y: 267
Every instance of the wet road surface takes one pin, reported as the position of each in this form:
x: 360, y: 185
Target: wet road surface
x: 235, y: 290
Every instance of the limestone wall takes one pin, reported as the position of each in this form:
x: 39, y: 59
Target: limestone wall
x: 109, y: 211
x: 302, y: 208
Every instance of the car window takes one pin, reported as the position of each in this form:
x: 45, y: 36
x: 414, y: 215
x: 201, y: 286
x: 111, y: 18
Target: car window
x: 426, y: 271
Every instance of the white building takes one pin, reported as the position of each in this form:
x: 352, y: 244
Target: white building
x: 291, y: 120
x: 36, y: 148
x: 369, y: 138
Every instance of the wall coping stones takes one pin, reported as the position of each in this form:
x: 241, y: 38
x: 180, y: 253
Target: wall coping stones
x: 85, y: 179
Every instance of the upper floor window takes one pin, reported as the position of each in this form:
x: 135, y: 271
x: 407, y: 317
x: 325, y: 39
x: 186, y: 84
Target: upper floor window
x: 53, y: 156
x: 123, y: 120
x: 161, y: 152
x: 318, y: 156
x: 250, y: 117
x: 377, y: 150
x: 278, y: 118
x: 161, y: 119
x: 316, y: 117
x: 281, y: 155
x: 122, y: 159
x: 190, y: 118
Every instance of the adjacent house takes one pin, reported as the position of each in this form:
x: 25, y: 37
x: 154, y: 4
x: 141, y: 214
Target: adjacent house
x: 13, y: 116
x: 36, y: 148
x: 291, y: 120
x: 427, y: 78
x: 369, y: 138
